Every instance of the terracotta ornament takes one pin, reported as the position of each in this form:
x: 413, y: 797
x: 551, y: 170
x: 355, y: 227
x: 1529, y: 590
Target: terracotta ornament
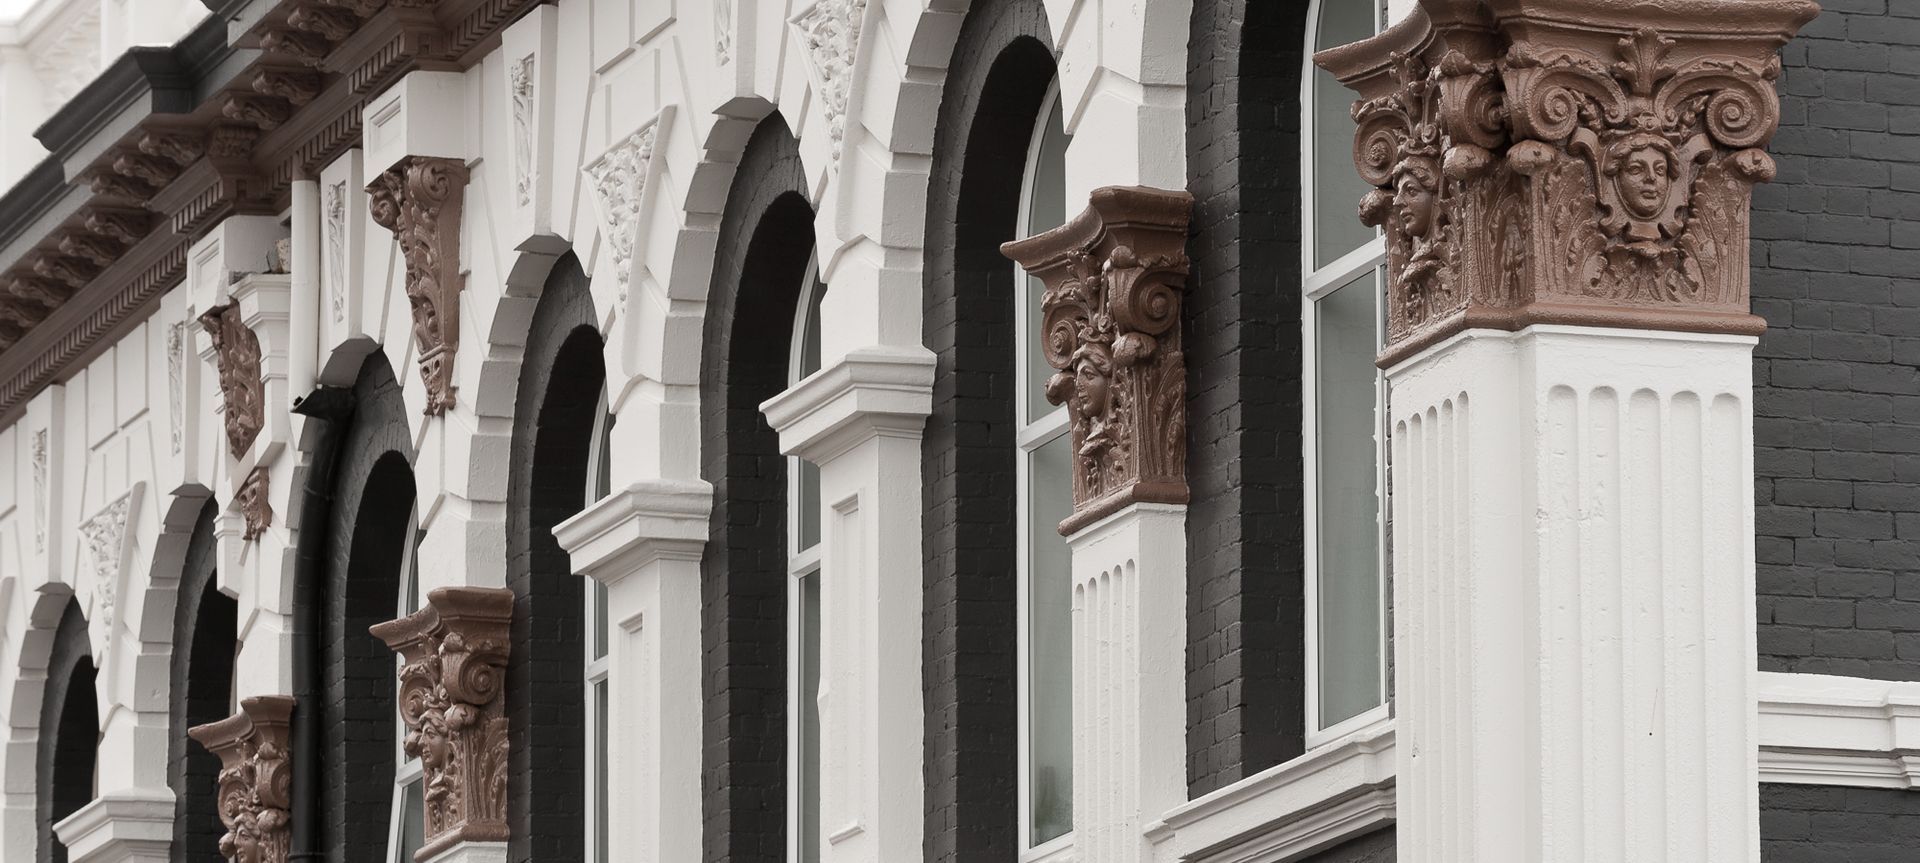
x: 256, y: 778
x: 237, y: 352
x: 1559, y: 161
x: 253, y: 504
x: 419, y: 200
x: 1115, y: 276
x: 453, y: 700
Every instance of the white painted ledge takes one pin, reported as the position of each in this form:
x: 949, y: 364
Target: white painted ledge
x: 1819, y: 729
x: 1328, y: 795
x: 657, y: 519
x: 131, y: 825
x: 872, y: 391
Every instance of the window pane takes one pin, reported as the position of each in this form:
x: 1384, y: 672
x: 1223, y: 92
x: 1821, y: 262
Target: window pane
x: 1348, y: 505
x: 809, y: 503
x: 1046, y: 210
x: 411, y: 828
x: 599, y: 756
x: 599, y: 618
x: 1050, y: 642
x: 810, y: 335
x: 1337, y: 189
x: 810, y: 718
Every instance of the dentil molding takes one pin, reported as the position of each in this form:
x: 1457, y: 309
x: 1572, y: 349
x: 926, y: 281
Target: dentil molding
x: 1115, y: 276
x: 256, y: 778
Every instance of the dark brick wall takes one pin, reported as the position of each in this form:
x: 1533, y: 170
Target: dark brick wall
x: 200, y: 686
x: 69, y: 733
x: 1836, y: 392
x: 558, y: 396
x: 1374, y: 847
x: 1819, y: 824
x: 370, y: 522
x: 999, y: 75
x: 1245, y: 558
x: 766, y: 238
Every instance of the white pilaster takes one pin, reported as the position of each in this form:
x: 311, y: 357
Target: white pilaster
x: 644, y: 543
x: 473, y: 852
x: 1573, y: 597
x: 132, y: 825
x: 861, y: 420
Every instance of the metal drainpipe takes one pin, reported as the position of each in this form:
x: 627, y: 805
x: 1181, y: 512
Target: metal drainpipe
x: 332, y: 407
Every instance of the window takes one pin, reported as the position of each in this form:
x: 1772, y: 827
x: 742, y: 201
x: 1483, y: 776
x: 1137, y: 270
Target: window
x: 407, y: 828
x: 1344, y: 399
x: 599, y: 485
x: 1044, y: 475
x: 803, y: 603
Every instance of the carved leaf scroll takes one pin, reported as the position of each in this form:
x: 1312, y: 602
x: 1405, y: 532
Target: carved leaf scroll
x: 256, y: 778
x: 420, y: 200
x: 237, y: 353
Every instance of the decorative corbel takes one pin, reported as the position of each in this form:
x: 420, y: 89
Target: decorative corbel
x: 330, y: 22
x: 420, y: 200
x: 256, y: 778
x: 46, y: 292
x: 1528, y: 170
x: 74, y: 272
x: 104, y: 181
x: 97, y: 249
x: 265, y: 112
x: 237, y: 353
x: 255, y: 507
x: 307, y: 48
x: 297, y: 86
x: 123, y: 226
x: 1115, y: 276
x: 453, y: 699
x: 152, y: 170
x: 180, y: 148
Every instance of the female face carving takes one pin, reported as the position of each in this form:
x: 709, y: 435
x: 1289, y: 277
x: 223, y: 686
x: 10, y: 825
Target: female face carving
x: 1092, y: 388
x: 1413, y: 201
x: 1644, y: 178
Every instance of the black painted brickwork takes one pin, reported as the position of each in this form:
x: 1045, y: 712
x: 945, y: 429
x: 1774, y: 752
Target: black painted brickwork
x: 557, y: 397
x: 1245, y: 557
x: 67, y: 747
x: 200, y: 674
x: 1822, y: 824
x: 1837, y: 376
x: 995, y: 83
x: 766, y: 236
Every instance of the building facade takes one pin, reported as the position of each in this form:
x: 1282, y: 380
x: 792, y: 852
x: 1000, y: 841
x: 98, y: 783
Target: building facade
x: 970, y: 430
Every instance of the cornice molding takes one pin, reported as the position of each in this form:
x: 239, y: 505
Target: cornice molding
x: 150, y: 72
x: 876, y: 390
x: 660, y: 519
x: 1819, y: 729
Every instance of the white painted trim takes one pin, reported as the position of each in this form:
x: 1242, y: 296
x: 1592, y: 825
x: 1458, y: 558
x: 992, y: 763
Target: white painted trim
x: 1818, y: 729
x: 1324, y: 797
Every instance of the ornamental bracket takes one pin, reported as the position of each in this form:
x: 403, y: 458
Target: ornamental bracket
x: 256, y: 778
x: 419, y: 200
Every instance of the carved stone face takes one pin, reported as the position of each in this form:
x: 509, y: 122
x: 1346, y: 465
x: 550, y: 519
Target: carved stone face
x: 1645, y: 175
x: 1092, y: 383
x: 1415, y: 188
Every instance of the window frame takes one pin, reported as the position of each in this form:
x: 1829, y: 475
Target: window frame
x: 1317, y: 283
x: 802, y: 564
x: 596, y: 627
x: 408, y: 770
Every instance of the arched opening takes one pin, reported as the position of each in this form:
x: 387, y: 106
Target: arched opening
x: 558, y: 757
x: 760, y: 270
x: 201, y: 678
x: 999, y: 781
x: 67, y: 772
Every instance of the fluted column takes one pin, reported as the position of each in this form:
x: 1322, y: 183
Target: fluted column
x: 256, y: 778
x: 1115, y: 276
x: 1564, y: 188
x: 453, y: 654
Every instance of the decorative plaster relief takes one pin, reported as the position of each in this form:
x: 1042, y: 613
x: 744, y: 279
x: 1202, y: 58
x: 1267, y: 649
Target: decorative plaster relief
x: 419, y: 200
x: 830, y: 32
x: 521, y: 79
x: 334, y: 210
x: 176, y: 381
x: 108, y: 537
x: 40, y: 491
x: 237, y: 352
x: 453, y: 700
x: 722, y: 32
x: 256, y: 778
x: 252, y: 501
x: 1566, y: 176
x: 619, y: 178
x: 1115, y: 275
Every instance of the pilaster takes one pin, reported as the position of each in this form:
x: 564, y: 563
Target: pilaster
x: 861, y: 420
x: 132, y: 825
x: 1115, y: 276
x: 1564, y: 189
x: 644, y: 543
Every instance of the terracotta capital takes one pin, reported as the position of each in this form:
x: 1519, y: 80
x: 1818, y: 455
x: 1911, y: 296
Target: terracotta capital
x: 237, y: 353
x: 256, y: 777
x: 453, y: 699
x: 419, y: 200
x: 1115, y: 276
x: 1566, y: 161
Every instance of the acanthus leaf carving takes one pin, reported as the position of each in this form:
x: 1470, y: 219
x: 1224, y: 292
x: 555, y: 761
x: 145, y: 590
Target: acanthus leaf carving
x: 330, y: 22
x: 264, y: 112
x: 100, y: 250
x: 830, y: 32
x: 152, y: 170
x: 453, y: 700
x: 420, y: 201
x: 520, y: 80
x: 237, y: 354
x: 298, y: 87
x: 124, y: 226
x: 181, y: 148
x: 107, y: 535
x: 308, y: 48
x: 256, y: 778
x: 619, y: 179
x: 1115, y: 278
x: 334, y: 213
x: 176, y: 381
x: 40, y: 491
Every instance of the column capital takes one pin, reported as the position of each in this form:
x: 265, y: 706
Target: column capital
x: 453, y: 700
x: 656, y: 519
x: 875, y: 391
x: 1115, y: 276
x: 256, y: 778
x: 419, y: 199
x: 131, y: 825
x: 1566, y: 161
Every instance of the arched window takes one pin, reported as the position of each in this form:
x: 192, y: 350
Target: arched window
x: 599, y: 485
x: 201, y: 674
x: 1044, y: 476
x: 68, y: 751
x: 406, y: 828
x: 803, y: 601
x: 1344, y: 401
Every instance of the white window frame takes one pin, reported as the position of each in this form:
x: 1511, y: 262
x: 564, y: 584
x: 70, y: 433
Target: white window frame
x: 594, y: 627
x: 1317, y: 283
x: 407, y: 770
x: 802, y: 563
x: 1030, y: 437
